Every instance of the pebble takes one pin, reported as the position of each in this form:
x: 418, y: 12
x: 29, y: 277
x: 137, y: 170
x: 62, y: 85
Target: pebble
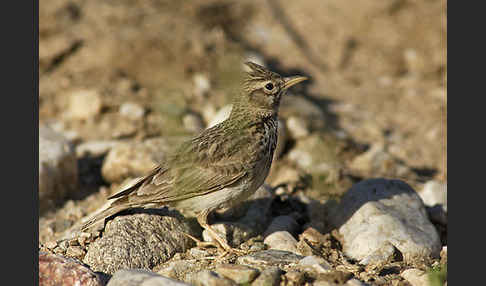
x: 282, y: 240
x: 83, y: 104
x: 59, y: 270
x: 131, y: 110
x: 270, y: 276
x: 177, y: 269
x: 319, y: 264
x: 58, y: 168
x: 241, y: 274
x: 270, y: 257
x: 141, y: 240
x: 378, y: 215
x: 76, y: 252
x: 139, y: 277
x: 210, y: 278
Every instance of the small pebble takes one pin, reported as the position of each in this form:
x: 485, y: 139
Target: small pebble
x: 131, y: 110
x: 241, y: 274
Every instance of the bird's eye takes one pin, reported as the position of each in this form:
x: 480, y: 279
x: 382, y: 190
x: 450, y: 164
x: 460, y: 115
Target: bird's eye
x: 269, y: 86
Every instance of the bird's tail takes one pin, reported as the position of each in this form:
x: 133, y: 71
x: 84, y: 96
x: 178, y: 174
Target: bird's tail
x: 111, y: 210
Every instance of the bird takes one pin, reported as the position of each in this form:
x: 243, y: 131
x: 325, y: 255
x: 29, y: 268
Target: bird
x: 220, y: 167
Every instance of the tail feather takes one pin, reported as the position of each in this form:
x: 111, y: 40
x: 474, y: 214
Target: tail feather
x: 111, y: 210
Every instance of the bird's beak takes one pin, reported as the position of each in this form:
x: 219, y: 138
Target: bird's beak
x: 293, y: 80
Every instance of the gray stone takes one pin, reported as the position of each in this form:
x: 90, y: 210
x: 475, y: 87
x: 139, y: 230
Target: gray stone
x: 270, y: 276
x: 58, y: 169
x: 134, y: 159
x: 210, y: 278
x: 270, y: 257
x: 241, y: 274
x: 139, y: 277
x: 202, y: 85
x: 141, y: 240
x: 378, y: 215
x: 59, y: 270
x: 282, y: 240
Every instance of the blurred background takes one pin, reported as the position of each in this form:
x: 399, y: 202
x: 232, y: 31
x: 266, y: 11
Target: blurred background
x: 124, y: 81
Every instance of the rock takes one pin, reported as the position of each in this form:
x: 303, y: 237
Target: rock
x: 434, y: 193
x: 75, y: 252
x: 210, y: 278
x: 59, y: 270
x: 235, y: 233
x: 133, y: 159
x: 95, y: 148
x: 241, y: 274
x: 316, y: 263
x: 132, y: 110
x: 378, y: 215
x: 282, y: 240
x: 416, y: 277
x: 139, y: 277
x: 297, y: 127
x: 270, y: 257
x: 220, y: 115
x: 141, y: 240
x: 83, y: 104
x: 270, y: 276
x: 58, y: 169
x: 193, y: 123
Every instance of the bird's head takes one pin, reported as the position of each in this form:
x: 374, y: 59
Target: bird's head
x: 262, y: 89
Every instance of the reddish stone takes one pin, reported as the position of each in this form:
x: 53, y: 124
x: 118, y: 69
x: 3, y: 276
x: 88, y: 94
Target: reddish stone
x: 59, y: 270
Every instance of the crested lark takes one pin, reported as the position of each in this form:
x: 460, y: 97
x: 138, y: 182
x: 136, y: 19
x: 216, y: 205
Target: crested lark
x: 223, y: 165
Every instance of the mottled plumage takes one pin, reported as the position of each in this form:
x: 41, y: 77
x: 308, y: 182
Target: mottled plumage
x: 223, y: 165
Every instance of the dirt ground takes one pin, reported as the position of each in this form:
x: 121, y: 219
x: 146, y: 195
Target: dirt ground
x: 378, y: 69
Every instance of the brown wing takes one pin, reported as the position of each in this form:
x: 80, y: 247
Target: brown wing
x: 205, y: 164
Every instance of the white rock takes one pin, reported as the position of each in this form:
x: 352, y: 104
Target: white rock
x: 377, y: 215
x: 281, y: 240
x: 434, y: 193
x: 416, y: 277
x: 83, y: 104
x: 317, y: 263
x: 221, y: 115
x: 139, y: 277
x: 58, y: 169
x: 131, y: 110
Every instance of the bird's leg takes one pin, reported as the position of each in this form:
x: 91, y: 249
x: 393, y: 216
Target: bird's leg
x: 202, y: 219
